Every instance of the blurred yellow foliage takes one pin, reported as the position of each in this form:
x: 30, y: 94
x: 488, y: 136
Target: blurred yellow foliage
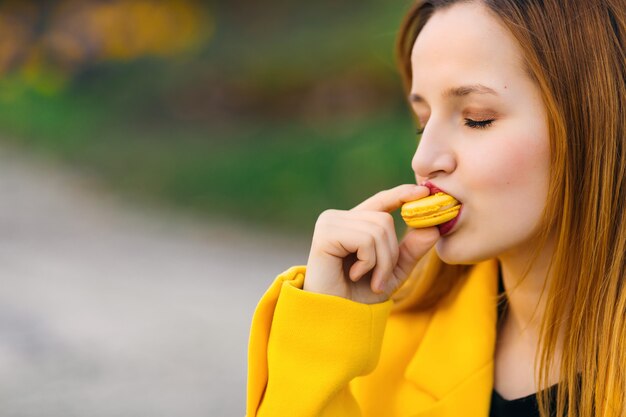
x: 128, y: 29
x: 67, y: 35
x: 16, y: 33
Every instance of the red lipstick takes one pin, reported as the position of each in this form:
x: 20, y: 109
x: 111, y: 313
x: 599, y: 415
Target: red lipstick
x: 446, y: 227
x: 433, y: 188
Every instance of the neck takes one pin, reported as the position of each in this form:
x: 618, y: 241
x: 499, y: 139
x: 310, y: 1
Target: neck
x: 524, y: 287
x: 519, y: 332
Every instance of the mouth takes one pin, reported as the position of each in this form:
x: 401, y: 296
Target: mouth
x: 444, y: 228
x: 434, y: 189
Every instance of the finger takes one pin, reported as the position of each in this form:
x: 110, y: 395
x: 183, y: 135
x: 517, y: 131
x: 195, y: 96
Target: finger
x: 385, y: 261
x: 381, y: 226
x: 386, y: 222
x: 365, y: 248
x: 392, y: 199
x: 413, y: 247
x: 370, y: 238
x: 373, y: 255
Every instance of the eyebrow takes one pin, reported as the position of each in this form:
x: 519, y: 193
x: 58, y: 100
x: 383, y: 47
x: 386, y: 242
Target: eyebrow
x: 461, y: 91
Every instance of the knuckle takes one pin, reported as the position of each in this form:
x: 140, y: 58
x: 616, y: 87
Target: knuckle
x: 370, y: 262
x: 381, y: 194
x: 386, y: 232
x: 328, y: 213
x: 384, y: 218
x: 387, y: 219
x: 370, y: 241
x: 377, y: 230
x: 385, y: 236
x: 326, y: 216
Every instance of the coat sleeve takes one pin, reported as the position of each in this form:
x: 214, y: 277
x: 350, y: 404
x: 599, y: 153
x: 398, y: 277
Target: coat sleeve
x: 305, y: 348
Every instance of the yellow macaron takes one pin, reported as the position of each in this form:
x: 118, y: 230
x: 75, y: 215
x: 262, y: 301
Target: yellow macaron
x: 430, y: 211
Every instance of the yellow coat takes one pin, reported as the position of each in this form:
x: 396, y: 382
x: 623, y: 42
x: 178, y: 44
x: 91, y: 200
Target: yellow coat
x: 313, y: 355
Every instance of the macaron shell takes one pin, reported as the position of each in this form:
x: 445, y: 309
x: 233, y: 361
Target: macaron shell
x: 430, y: 211
x: 434, y: 219
x: 429, y: 204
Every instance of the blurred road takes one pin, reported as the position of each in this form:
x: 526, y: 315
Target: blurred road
x: 106, y: 310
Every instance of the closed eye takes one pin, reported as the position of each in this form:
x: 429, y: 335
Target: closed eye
x: 478, y: 124
x: 474, y: 124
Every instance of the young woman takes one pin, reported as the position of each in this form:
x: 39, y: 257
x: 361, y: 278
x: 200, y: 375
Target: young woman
x: 516, y: 307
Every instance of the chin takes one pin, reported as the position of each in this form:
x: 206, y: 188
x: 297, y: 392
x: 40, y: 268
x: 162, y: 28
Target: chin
x: 456, y: 253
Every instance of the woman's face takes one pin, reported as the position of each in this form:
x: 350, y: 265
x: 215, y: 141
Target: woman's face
x: 485, y: 138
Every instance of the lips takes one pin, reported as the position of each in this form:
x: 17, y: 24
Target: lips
x: 434, y: 189
x: 446, y: 227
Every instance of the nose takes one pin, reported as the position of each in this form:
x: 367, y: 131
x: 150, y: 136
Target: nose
x: 434, y: 155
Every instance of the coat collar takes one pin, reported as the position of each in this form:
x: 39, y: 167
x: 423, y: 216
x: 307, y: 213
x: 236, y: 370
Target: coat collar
x: 459, y: 343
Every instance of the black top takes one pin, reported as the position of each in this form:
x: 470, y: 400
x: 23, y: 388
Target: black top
x: 522, y: 407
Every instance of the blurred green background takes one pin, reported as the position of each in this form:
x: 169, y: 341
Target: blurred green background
x: 258, y: 112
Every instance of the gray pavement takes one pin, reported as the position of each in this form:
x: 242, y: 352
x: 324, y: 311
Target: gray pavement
x: 110, y: 310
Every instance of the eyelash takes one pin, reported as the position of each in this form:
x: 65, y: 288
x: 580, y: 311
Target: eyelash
x: 474, y: 124
x: 478, y: 124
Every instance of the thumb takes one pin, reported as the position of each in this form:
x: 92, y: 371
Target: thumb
x: 412, y: 248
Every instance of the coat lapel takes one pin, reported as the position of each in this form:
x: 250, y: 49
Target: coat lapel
x: 454, y: 361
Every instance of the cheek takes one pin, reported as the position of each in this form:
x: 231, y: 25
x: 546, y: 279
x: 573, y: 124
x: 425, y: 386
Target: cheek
x: 511, y: 164
x: 512, y: 179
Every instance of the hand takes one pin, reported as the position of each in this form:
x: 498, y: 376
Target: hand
x: 355, y: 254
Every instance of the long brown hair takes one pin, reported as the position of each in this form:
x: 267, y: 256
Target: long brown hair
x: 574, y: 51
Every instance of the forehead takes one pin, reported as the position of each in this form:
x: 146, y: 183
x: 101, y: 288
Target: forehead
x: 465, y: 44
